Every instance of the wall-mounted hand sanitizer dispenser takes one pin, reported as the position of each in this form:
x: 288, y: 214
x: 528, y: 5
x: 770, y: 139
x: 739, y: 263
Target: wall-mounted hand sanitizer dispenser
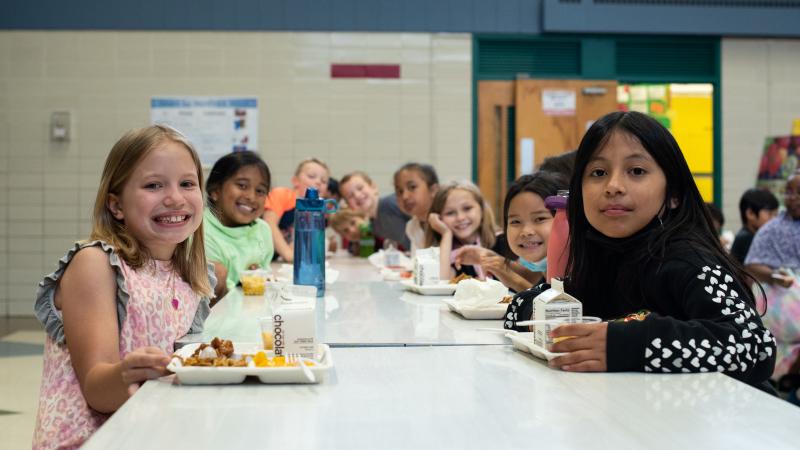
x: 60, y: 126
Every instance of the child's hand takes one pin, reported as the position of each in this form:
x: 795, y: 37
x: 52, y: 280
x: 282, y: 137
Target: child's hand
x: 145, y: 363
x: 493, y: 263
x: 468, y: 255
x: 783, y: 278
x: 436, y: 223
x: 585, y: 347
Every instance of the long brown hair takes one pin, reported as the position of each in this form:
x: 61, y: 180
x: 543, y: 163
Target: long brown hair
x: 488, y: 227
x: 190, y: 256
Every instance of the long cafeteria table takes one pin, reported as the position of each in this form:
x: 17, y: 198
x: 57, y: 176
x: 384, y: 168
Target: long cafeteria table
x: 359, y: 309
x: 408, y: 374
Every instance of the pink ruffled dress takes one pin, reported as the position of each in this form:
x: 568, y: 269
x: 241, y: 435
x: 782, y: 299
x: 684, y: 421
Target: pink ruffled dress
x: 147, y: 316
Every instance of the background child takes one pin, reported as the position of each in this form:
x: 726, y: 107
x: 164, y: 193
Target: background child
x: 774, y: 259
x: 236, y: 237
x: 641, y: 239
x: 279, y: 206
x: 117, y: 303
x: 415, y: 186
x: 388, y: 220
x: 354, y: 227
x: 756, y: 208
x: 459, y: 216
x: 526, y: 223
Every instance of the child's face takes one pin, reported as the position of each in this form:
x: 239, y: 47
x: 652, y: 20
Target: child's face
x: 351, y: 230
x: 529, y: 223
x: 462, y: 214
x: 241, y: 198
x: 623, y: 187
x: 791, y: 196
x: 757, y: 221
x: 359, y: 194
x: 310, y: 175
x: 161, y: 204
x: 414, y: 197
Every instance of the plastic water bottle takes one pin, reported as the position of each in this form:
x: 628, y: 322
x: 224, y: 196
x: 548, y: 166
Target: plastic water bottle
x: 366, y: 242
x: 309, y: 239
x: 558, y: 243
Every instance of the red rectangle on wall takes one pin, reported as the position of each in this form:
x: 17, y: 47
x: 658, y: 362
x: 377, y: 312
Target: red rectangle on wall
x: 365, y: 71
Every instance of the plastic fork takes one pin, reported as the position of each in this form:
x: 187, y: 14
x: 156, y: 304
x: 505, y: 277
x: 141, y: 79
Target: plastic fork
x: 293, y: 358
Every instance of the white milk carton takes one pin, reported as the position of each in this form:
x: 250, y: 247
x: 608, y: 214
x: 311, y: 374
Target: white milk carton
x: 294, y: 321
x: 426, y: 266
x: 551, y: 304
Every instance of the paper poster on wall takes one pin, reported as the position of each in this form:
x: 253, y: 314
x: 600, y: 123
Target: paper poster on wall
x: 215, y: 125
x: 526, y: 156
x: 558, y: 102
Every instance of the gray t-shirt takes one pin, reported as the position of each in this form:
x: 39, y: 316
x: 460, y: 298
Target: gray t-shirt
x: 390, y: 222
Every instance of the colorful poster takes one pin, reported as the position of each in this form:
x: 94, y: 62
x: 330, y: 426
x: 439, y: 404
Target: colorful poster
x: 778, y: 162
x: 215, y: 125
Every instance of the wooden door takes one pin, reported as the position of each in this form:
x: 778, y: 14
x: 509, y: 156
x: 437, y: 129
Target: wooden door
x: 553, y: 115
x: 495, y: 98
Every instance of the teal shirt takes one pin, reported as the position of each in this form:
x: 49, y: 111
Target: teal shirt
x: 237, y: 248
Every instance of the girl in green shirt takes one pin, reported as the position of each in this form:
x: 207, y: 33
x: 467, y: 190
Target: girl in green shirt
x: 236, y: 237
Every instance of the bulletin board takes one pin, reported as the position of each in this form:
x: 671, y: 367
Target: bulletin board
x: 779, y: 160
x: 215, y: 125
x: 686, y: 110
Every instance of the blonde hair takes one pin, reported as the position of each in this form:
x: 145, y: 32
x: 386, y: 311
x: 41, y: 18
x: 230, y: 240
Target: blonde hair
x: 309, y: 161
x: 487, y: 229
x: 356, y: 173
x: 189, y: 257
x: 343, y: 216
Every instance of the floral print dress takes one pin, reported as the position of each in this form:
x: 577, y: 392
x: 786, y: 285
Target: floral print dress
x: 147, y: 316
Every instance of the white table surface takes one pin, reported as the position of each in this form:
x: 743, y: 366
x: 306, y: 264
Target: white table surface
x: 358, y: 309
x: 475, y: 397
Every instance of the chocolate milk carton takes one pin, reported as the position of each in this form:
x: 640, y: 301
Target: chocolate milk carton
x: 553, y: 304
x: 294, y: 321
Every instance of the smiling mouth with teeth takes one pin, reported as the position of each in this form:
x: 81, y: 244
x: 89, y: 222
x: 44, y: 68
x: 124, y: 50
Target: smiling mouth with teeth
x: 171, y: 219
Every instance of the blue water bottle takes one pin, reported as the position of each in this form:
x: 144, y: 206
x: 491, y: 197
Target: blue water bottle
x: 309, y: 239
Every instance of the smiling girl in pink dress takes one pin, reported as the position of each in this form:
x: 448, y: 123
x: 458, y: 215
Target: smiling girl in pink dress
x: 117, y: 302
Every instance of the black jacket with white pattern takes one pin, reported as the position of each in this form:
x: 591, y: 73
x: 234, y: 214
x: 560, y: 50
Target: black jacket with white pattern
x: 701, y: 319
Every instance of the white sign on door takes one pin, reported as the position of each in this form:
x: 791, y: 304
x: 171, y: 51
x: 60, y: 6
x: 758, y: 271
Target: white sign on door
x: 558, y: 102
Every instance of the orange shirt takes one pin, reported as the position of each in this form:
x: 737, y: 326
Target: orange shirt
x: 280, y: 200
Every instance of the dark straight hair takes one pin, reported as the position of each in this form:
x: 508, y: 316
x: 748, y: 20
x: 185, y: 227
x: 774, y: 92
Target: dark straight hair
x: 755, y: 200
x: 228, y: 165
x: 426, y: 171
x: 684, y: 215
x: 542, y: 183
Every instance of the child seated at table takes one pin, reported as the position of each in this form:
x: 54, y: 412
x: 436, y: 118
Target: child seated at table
x: 643, y: 248
x: 415, y: 185
x: 459, y: 216
x: 387, y: 219
x: 279, y: 205
x: 235, y: 236
x: 355, y: 229
x: 117, y: 302
x: 526, y: 223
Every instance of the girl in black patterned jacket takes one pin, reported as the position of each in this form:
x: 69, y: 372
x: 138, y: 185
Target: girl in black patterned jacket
x: 643, y: 251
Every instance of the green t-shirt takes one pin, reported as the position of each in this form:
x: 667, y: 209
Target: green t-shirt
x: 237, y: 248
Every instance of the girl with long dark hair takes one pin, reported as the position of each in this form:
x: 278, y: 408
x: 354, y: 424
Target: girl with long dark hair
x: 643, y: 253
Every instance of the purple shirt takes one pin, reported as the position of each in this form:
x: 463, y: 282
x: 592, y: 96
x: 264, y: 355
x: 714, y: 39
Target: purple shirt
x: 777, y: 244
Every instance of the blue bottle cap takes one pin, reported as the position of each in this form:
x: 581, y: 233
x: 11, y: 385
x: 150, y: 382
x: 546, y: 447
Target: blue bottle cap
x: 312, y: 193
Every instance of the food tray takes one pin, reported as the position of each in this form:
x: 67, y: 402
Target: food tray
x: 233, y: 375
x: 443, y: 288
x: 524, y: 342
x: 494, y: 312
